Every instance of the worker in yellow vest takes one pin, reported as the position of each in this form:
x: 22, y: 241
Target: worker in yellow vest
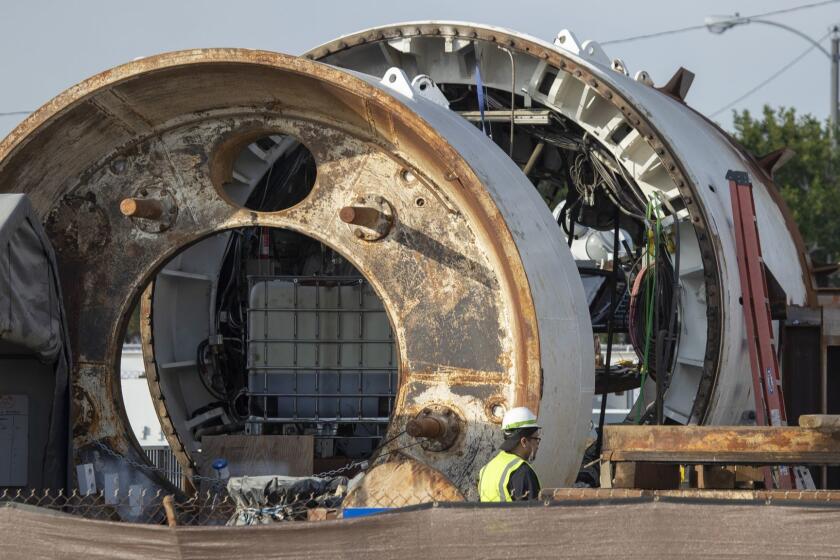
x: 509, y: 476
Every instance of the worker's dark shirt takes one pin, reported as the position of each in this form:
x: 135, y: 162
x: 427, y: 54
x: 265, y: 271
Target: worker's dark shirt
x: 524, y: 484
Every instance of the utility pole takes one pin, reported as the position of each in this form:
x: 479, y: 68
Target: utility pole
x: 720, y: 24
x: 835, y: 57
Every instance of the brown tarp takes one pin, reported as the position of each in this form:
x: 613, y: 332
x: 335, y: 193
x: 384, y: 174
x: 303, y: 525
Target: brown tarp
x: 643, y: 529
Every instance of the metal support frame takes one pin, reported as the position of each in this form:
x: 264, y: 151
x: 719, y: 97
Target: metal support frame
x: 265, y: 370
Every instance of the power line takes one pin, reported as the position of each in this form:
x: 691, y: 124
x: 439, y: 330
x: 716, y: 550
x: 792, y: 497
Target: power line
x: 772, y: 77
x: 13, y: 113
x: 739, y: 18
x: 652, y: 35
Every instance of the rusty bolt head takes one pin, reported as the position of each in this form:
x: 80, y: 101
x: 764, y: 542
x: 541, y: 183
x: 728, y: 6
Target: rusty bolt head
x: 372, y: 214
x: 347, y: 214
x: 141, y: 208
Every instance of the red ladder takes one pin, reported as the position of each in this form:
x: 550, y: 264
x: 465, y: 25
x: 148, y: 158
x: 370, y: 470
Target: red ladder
x: 767, y: 385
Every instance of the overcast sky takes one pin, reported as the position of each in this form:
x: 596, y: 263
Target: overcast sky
x: 48, y: 46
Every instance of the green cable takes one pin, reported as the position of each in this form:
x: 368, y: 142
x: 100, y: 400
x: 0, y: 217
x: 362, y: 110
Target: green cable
x: 653, y: 216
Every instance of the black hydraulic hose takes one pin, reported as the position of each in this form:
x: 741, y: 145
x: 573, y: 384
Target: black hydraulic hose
x: 201, y: 370
x: 666, y: 339
x: 675, y: 290
x: 610, y: 327
x: 660, y: 375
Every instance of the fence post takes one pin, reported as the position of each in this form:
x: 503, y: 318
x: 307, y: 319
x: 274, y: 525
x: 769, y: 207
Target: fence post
x: 169, y: 508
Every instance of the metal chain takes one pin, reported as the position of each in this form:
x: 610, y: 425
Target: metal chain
x: 347, y: 467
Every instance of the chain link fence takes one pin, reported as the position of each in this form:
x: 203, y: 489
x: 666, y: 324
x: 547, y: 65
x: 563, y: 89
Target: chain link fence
x: 264, y: 505
x: 264, y: 500
x: 208, y: 508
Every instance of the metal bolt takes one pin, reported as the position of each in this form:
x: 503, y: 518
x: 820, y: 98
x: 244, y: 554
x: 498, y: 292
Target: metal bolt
x: 147, y: 208
x: 407, y: 176
x: 362, y: 216
x: 347, y: 214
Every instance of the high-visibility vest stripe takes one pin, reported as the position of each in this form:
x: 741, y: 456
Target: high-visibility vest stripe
x: 495, y: 475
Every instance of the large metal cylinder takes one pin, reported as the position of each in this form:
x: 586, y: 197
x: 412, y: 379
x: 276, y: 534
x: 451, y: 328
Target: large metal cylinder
x: 671, y: 151
x: 482, y: 294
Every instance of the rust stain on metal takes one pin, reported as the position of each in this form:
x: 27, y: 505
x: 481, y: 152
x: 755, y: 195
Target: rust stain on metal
x: 400, y: 482
x: 736, y: 444
x: 153, y: 380
x: 473, y: 337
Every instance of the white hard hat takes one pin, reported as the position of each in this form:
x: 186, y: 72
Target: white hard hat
x: 519, y: 417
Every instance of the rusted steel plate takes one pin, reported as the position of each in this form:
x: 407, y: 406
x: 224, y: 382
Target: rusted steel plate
x: 752, y: 445
x: 402, y: 482
x: 464, y: 279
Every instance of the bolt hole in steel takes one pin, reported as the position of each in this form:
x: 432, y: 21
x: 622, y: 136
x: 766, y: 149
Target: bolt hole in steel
x: 420, y: 202
x: 498, y: 411
x: 268, y: 174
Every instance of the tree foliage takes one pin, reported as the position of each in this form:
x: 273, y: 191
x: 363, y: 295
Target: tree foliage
x: 809, y: 182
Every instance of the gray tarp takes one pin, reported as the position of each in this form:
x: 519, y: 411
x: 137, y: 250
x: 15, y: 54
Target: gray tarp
x: 642, y: 529
x: 31, y: 314
x: 265, y: 499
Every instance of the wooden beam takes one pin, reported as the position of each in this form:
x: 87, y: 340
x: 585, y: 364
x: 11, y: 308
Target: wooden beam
x: 820, y: 421
x: 731, y: 445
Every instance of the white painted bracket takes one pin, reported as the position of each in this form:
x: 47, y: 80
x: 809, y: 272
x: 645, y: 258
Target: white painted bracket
x: 421, y: 86
x: 397, y: 80
x: 424, y: 86
x: 589, y: 50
